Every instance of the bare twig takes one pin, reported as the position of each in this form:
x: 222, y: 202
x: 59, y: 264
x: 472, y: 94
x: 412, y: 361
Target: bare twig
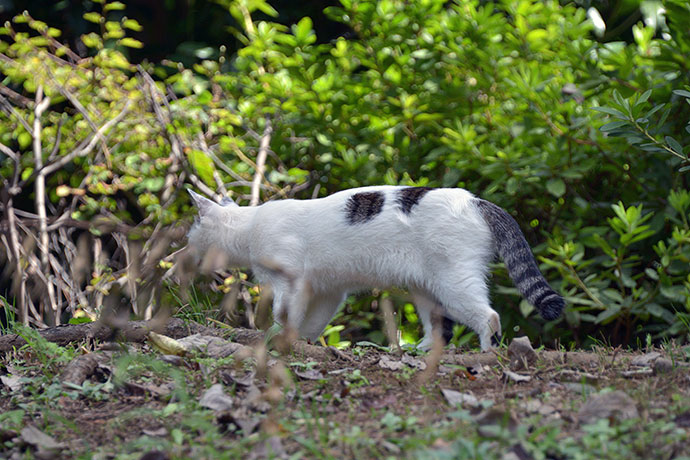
x: 9, y: 152
x: 19, y: 281
x: 42, y: 104
x: 13, y: 112
x: 86, y: 149
x: 261, y: 162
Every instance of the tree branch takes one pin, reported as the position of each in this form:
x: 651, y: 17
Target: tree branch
x: 264, y: 143
x: 42, y: 104
x: 86, y: 149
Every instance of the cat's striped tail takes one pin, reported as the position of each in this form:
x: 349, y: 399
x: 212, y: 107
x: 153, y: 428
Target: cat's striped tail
x: 517, y: 255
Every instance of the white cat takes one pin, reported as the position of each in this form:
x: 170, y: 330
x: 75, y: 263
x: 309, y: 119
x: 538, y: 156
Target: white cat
x: 437, y: 243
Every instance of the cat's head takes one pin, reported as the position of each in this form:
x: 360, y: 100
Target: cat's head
x: 207, y: 235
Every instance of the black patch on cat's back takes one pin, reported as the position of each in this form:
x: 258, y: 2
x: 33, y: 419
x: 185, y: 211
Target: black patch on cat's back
x: 364, y: 206
x: 408, y: 197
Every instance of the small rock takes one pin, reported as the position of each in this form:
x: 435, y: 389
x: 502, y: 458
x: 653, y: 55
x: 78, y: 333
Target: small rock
x: 582, y: 388
x: 387, y: 362
x: 521, y: 354
x: 233, y: 377
x: 645, y: 360
x: 662, y: 366
x: 455, y: 398
x: 413, y: 362
x: 614, y: 404
x: 535, y: 406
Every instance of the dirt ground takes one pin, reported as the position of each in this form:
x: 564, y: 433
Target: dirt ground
x: 220, y: 395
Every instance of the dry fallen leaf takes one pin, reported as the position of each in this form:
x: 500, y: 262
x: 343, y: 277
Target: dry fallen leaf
x: 215, y: 399
x: 310, y: 374
x: 41, y: 441
x: 12, y: 382
x: 167, y: 345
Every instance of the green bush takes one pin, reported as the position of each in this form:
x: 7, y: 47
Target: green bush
x: 582, y: 142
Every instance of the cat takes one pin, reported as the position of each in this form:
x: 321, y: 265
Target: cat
x: 437, y: 243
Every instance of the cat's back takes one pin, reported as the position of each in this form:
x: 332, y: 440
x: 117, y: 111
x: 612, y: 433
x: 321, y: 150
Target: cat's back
x: 375, y: 205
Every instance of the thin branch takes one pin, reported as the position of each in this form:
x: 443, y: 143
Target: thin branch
x: 264, y: 143
x: 42, y: 104
x: 16, y: 114
x: 81, y: 109
x: 14, y: 96
x: 19, y: 282
x: 80, y: 152
x: 9, y: 152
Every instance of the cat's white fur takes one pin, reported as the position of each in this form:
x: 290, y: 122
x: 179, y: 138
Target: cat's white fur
x: 312, y: 256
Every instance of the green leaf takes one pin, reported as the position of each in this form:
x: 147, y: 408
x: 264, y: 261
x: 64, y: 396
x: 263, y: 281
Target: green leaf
x: 608, y: 315
x: 393, y: 74
x: 130, y: 42
x: 653, y: 274
x: 556, y: 187
x: 303, y: 30
x: 153, y: 184
x: 203, y: 165
x: 643, y: 98
x: 132, y: 24
x: 205, y: 97
x: 674, y: 144
x: 93, y: 17
x: 682, y: 92
x: 113, y: 6
x: 610, y: 111
x: 537, y: 35
x: 80, y: 320
x: 654, y: 110
x: 613, y: 125
x: 92, y: 40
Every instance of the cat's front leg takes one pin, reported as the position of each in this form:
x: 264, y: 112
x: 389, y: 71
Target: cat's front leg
x: 322, y: 308
x: 427, y: 308
x: 291, y: 299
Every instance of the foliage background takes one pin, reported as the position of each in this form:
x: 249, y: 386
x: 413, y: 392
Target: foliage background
x: 579, y: 131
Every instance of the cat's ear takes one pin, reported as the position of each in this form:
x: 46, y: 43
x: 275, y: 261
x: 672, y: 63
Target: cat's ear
x: 227, y: 201
x: 203, y: 204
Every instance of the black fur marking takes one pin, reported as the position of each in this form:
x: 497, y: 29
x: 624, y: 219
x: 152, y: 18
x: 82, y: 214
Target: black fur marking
x: 495, y: 339
x: 364, y: 206
x: 408, y: 197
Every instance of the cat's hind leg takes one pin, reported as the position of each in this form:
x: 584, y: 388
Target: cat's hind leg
x: 466, y: 300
